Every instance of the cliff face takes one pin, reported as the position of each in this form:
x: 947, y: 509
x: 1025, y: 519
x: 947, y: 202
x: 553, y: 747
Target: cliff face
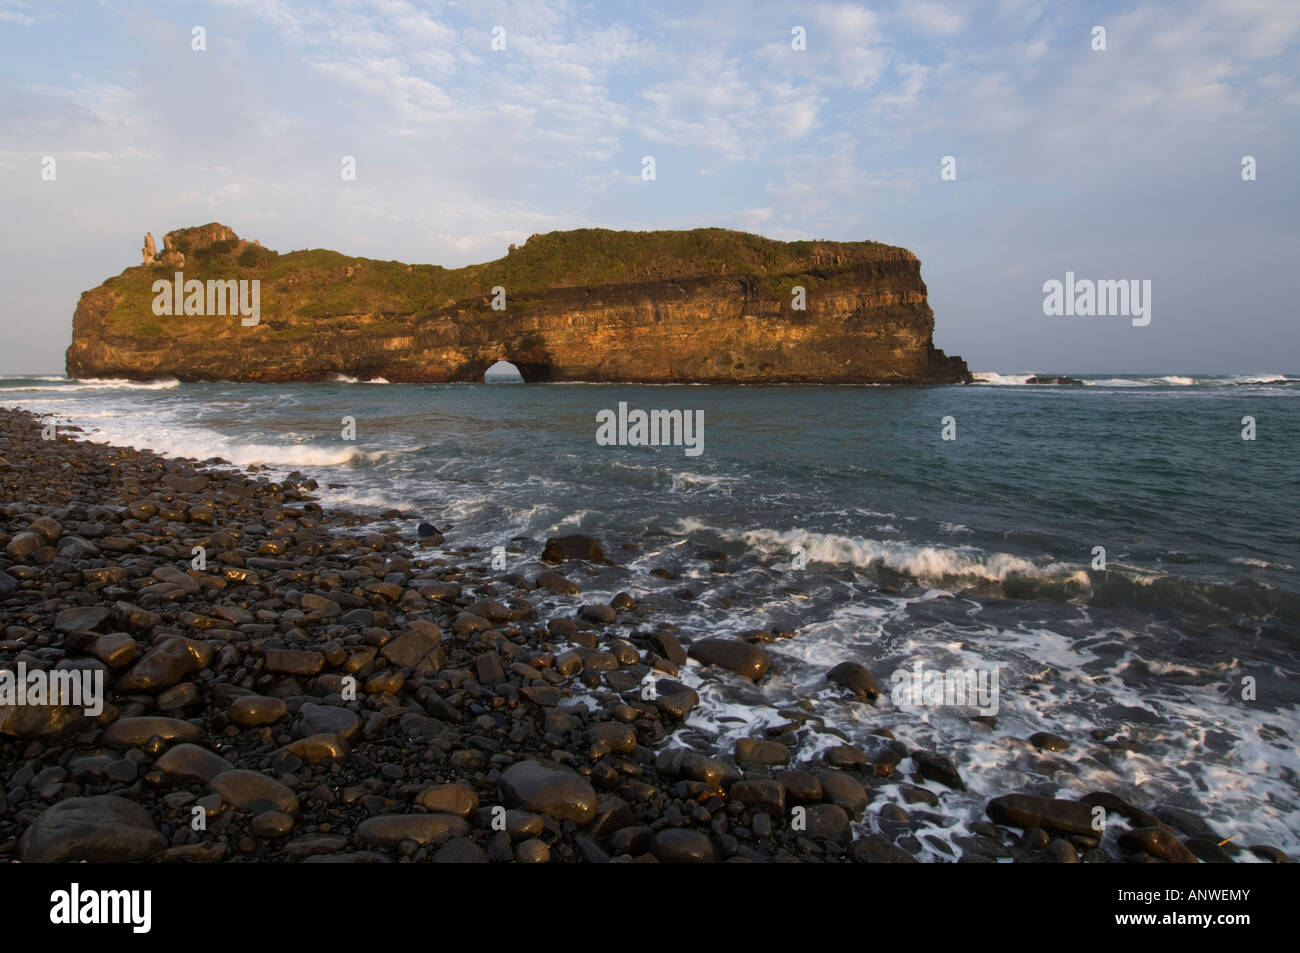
x: 707, y: 305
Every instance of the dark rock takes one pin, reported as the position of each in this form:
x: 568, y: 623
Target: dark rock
x: 271, y: 824
x: 631, y: 840
x: 188, y: 763
x: 1114, y: 804
x: 801, y: 787
x: 560, y: 548
x: 1158, y: 842
x: 548, y: 789
x: 668, y: 647
x: 81, y: 619
x: 1270, y: 853
x: 676, y: 845
x: 597, y: 613
x: 843, y: 790
x: 757, y: 751
x: 936, y: 767
x: 166, y: 664
x: 134, y: 732
x: 677, y: 705
x: 1048, y: 742
x: 1208, y: 849
x: 552, y: 581
x: 256, y: 710
x: 458, y: 799
x: 828, y: 822
x: 294, y: 661
x: 104, y: 829
x: 1185, y: 822
x: 874, y: 849
x: 253, y: 792
x: 767, y: 796
x: 742, y: 658
x: 856, y: 678
x: 460, y: 850
x: 532, y: 851
x: 317, y: 748
x: 389, y: 830
x: 327, y: 720
x: 1027, y: 810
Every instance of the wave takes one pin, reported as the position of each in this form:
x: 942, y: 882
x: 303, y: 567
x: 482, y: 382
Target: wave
x: 995, y: 379
x: 925, y: 563
x: 204, y: 444
x: 94, y: 383
x: 975, y: 572
x: 345, y: 379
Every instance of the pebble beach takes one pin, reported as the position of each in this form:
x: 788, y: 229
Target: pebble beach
x: 286, y: 683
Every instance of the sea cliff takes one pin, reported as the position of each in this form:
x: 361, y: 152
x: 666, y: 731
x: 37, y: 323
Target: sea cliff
x: 707, y: 305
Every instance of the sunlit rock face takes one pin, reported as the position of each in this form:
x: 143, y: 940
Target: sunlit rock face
x: 708, y: 305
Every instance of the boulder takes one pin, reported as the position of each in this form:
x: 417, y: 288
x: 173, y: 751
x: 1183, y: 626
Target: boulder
x: 548, y: 788
x: 561, y: 548
x: 102, y: 829
x: 744, y: 659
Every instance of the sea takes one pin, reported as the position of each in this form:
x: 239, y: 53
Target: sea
x: 1122, y: 553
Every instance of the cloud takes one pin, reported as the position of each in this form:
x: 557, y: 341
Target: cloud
x: 931, y: 17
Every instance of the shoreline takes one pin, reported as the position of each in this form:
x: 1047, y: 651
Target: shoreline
x: 230, y: 691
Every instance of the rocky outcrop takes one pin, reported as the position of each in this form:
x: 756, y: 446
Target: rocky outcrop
x: 708, y: 305
x: 1058, y: 381
x: 149, y: 250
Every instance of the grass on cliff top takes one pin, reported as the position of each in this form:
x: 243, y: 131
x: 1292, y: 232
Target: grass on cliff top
x: 315, y: 284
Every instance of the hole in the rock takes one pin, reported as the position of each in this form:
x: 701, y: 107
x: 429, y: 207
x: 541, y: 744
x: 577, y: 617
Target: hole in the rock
x: 503, y: 372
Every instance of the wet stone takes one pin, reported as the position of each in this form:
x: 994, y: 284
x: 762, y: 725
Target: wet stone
x: 756, y: 751
x: 937, y: 767
x: 133, y: 732
x: 1048, y: 742
x: 389, y: 830
x: 96, y: 829
x: 255, y: 710
x: 327, y: 720
x: 548, y: 789
x: 1158, y: 842
x: 253, y: 792
x: 272, y: 824
x: 856, y: 678
x: 744, y: 659
x: 190, y: 763
x: 460, y: 850
x: 458, y: 799
x: 682, y: 846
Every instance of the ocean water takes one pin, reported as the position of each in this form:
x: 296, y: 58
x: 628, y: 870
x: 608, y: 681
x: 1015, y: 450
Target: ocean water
x: 847, y: 519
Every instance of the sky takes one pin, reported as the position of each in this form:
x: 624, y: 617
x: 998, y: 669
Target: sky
x: 1122, y: 163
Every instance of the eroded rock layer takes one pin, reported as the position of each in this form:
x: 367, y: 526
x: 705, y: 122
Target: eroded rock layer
x: 708, y: 305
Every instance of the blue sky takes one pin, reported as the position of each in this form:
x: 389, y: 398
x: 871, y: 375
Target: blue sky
x: 1122, y: 163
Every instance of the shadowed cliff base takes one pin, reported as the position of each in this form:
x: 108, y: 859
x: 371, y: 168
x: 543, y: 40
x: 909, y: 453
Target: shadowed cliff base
x: 590, y: 305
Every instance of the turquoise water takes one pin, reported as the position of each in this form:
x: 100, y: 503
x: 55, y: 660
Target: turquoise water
x: 972, y: 552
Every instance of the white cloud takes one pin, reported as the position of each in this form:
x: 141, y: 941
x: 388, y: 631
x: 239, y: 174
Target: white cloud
x: 932, y: 17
